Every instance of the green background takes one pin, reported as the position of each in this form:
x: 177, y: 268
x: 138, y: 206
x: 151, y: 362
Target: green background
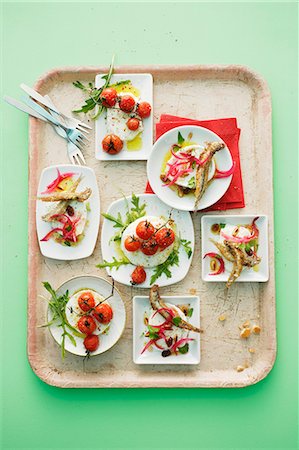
x: 39, y: 36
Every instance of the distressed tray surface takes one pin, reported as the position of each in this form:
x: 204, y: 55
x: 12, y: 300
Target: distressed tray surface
x: 201, y: 92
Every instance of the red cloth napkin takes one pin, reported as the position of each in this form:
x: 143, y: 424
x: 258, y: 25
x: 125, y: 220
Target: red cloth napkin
x: 228, y: 130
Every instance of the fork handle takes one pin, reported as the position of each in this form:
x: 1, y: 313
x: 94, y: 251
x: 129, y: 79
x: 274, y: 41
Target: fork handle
x: 40, y: 110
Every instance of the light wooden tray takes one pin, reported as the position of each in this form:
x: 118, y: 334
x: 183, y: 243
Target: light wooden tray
x: 201, y: 92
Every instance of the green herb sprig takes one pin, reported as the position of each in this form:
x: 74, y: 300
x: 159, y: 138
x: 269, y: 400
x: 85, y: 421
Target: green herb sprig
x: 94, y: 93
x: 186, y: 246
x: 172, y: 260
x: 115, y: 263
x: 57, y: 306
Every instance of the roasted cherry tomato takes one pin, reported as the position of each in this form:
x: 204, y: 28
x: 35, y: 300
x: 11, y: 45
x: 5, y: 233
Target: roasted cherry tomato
x: 112, y: 144
x: 108, y: 97
x: 149, y: 247
x: 86, y: 301
x: 144, y: 109
x: 133, y: 124
x: 138, y: 276
x: 145, y: 229
x: 126, y: 103
x: 132, y: 244
x: 91, y: 342
x: 165, y: 237
x: 103, y: 313
x: 86, y: 325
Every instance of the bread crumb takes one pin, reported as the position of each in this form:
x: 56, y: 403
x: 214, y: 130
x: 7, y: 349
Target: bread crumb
x: 251, y: 350
x: 192, y: 291
x: 240, y: 368
x: 222, y: 318
x: 245, y: 333
x: 256, y: 329
x: 246, y: 324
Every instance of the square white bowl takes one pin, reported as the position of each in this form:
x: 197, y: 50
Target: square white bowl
x: 248, y: 274
x: 85, y: 248
x: 141, y: 305
x: 143, y: 82
x: 154, y: 207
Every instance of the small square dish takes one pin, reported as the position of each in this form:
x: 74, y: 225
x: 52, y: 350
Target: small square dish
x: 143, y: 315
x: 222, y: 234
x: 136, y: 143
x: 67, y: 229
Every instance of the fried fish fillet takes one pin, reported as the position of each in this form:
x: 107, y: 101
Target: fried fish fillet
x: 202, y: 172
x: 61, y: 206
x: 67, y: 195
x: 157, y: 303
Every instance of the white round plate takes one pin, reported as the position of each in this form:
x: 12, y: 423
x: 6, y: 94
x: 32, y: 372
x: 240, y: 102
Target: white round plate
x: 216, y: 188
x: 117, y: 324
x: 154, y: 207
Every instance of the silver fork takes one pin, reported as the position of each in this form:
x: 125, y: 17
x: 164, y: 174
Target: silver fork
x: 73, y: 134
x: 46, y: 101
x: 74, y: 152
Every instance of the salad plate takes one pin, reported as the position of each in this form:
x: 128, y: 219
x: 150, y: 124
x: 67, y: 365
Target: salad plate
x: 67, y: 212
x: 190, y: 168
x: 223, y: 235
x: 158, y: 352
x: 136, y: 144
x: 144, y: 241
x: 108, y: 333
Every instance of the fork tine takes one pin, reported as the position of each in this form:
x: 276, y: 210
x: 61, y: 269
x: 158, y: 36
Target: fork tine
x: 77, y: 159
x: 82, y: 124
x: 80, y: 155
x: 83, y: 137
x: 80, y: 128
x: 71, y: 157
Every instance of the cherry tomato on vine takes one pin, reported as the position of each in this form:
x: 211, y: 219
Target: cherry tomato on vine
x: 103, y: 313
x: 91, y: 342
x: 145, y: 229
x: 86, y: 301
x: 86, y: 325
x: 132, y: 244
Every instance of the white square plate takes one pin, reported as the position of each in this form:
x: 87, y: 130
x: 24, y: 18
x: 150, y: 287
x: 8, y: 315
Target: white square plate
x: 85, y: 248
x: 143, y: 82
x: 248, y: 274
x: 141, y: 305
x: 154, y: 207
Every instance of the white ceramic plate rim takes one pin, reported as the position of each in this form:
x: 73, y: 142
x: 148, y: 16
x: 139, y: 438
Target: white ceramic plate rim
x: 60, y: 290
x: 167, y: 195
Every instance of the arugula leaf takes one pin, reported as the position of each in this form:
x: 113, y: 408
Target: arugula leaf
x: 176, y: 321
x: 94, y: 93
x: 121, y: 83
x: 57, y: 306
x: 190, y: 312
x: 117, y: 220
x: 136, y: 211
x: 187, y: 248
x: 183, y: 350
x: 181, y: 140
x: 115, y: 263
x: 172, y: 260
